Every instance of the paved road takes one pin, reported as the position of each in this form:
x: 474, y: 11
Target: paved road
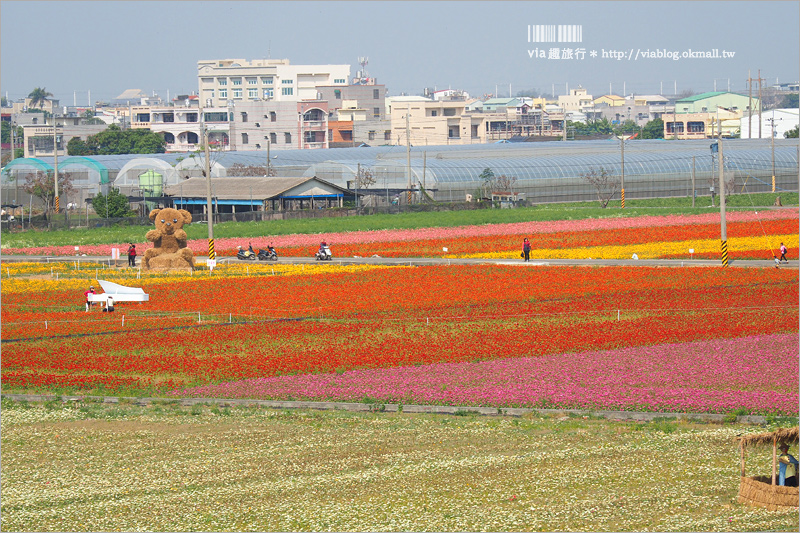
x: 419, y: 261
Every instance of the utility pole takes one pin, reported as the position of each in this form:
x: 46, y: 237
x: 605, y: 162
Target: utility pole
x: 268, y: 161
x: 693, y: 189
x: 722, y: 223
x: 358, y: 177
x: 750, y: 107
x: 408, y: 153
x: 760, y: 106
x: 772, y: 137
x: 212, y: 255
x: 622, y: 180
x: 424, y: 168
x: 55, y: 164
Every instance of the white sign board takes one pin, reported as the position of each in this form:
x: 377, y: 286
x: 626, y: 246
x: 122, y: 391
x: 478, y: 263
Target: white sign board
x: 115, y: 253
x: 211, y: 263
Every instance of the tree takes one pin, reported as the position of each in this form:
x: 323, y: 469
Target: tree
x: 505, y: 183
x: 487, y: 180
x: 653, y: 129
x: 42, y: 185
x: 792, y: 133
x: 76, y: 146
x: 4, y: 102
x: 789, y: 101
x: 114, y: 141
x: 113, y: 205
x: 39, y: 97
x: 89, y: 118
x: 628, y: 126
x: 603, y: 182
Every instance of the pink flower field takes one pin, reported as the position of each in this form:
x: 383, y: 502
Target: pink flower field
x: 200, y: 246
x: 713, y: 376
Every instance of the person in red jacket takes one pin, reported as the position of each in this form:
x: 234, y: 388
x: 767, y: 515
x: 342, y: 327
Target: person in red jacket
x: 86, y: 295
x: 132, y: 255
x: 526, y: 249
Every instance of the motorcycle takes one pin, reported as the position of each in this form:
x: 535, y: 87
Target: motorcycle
x: 267, y: 255
x: 323, y: 254
x: 246, y: 255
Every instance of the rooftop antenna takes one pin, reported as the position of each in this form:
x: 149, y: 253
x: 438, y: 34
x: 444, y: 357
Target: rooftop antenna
x: 363, y: 61
x: 269, y: 50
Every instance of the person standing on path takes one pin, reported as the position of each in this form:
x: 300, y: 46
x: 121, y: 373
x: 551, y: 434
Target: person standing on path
x: 783, y: 253
x: 526, y: 249
x: 132, y: 255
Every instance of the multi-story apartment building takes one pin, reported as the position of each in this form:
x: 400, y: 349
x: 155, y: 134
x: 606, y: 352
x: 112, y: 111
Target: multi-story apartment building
x: 180, y: 125
x: 371, y: 98
x: 444, y: 122
x: 284, y: 125
x: 224, y: 80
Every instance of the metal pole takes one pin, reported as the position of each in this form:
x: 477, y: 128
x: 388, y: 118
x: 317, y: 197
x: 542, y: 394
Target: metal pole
x: 408, y: 153
x: 773, y: 149
x: 268, y: 173
x: 722, y: 224
x: 55, y: 164
x: 693, y: 189
x: 212, y: 255
x: 358, y: 175
x: 622, y: 180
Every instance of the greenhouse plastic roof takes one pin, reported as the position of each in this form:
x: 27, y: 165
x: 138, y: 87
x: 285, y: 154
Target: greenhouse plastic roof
x: 531, y: 160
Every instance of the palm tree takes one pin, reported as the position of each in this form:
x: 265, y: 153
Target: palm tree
x: 39, y: 97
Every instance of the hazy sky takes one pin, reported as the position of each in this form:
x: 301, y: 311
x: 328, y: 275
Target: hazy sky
x: 71, y: 48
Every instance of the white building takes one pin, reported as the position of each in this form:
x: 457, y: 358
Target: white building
x: 221, y: 81
x: 785, y: 120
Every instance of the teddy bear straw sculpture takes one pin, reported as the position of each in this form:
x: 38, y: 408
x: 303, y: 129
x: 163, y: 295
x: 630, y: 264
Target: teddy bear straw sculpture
x: 169, y: 250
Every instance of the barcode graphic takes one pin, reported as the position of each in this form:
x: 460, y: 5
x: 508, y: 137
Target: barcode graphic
x: 551, y: 33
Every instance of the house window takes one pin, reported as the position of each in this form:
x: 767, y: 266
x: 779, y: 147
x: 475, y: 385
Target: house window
x: 223, y: 82
x: 273, y: 138
x: 267, y: 93
x: 339, y: 80
x: 387, y: 135
x: 252, y: 93
x: 267, y: 80
x: 272, y: 116
x: 287, y: 91
x: 376, y: 94
x: 371, y: 136
x: 287, y: 82
x: 337, y: 94
x: 450, y: 112
x: 237, y: 82
x: 434, y: 112
x: 330, y: 135
x: 376, y: 112
x: 237, y: 93
x: 287, y: 137
x: 244, y: 116
x: 245, y: 138
x: 674, y: 127
x: 252, y: 81
x: 696, y: 127
x: 223, y: 93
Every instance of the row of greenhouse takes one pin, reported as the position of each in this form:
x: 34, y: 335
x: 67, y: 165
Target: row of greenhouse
x: 540, y: 171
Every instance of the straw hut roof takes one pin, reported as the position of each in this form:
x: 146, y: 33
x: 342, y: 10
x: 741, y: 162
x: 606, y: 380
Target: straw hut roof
x: 780, y: 435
